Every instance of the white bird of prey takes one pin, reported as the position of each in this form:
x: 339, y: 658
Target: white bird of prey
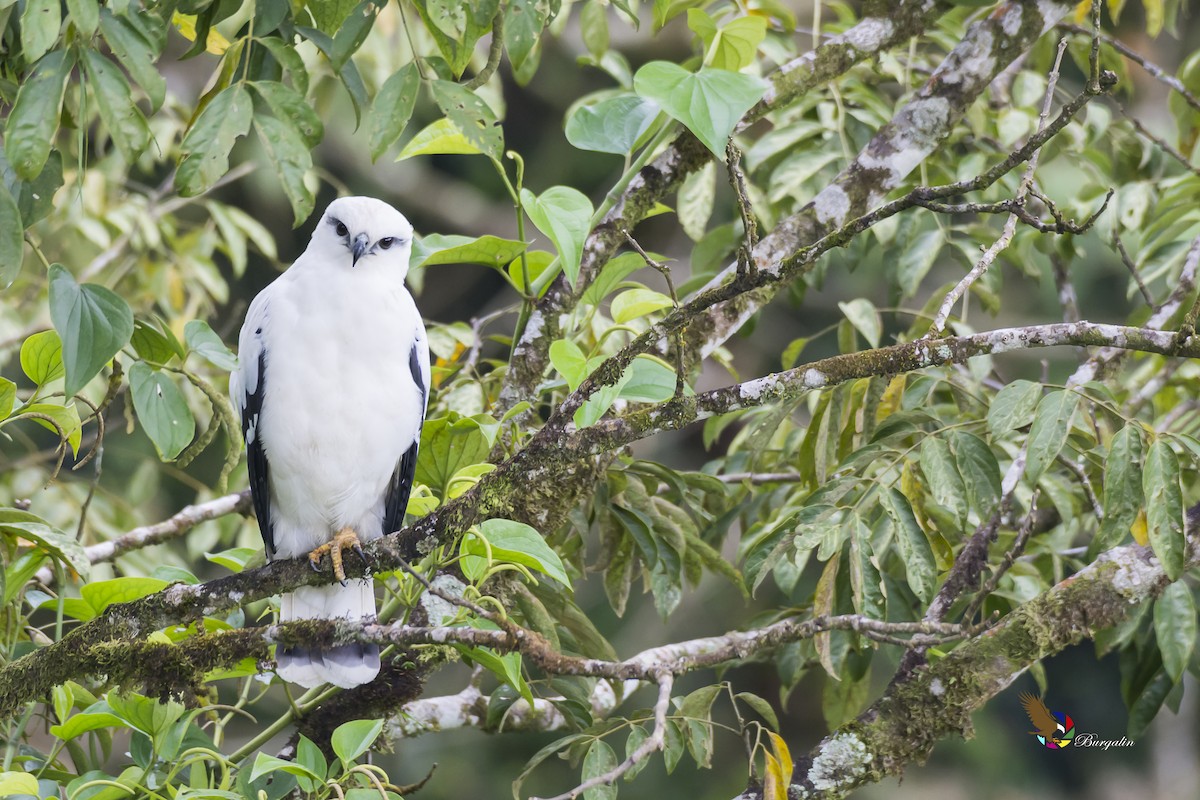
x: 332, y: 386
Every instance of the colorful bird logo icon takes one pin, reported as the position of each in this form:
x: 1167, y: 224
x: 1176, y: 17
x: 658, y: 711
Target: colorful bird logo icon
x: 1055, y: 730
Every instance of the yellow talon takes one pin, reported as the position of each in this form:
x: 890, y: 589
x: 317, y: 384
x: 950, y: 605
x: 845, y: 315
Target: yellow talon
x: 344, y: 539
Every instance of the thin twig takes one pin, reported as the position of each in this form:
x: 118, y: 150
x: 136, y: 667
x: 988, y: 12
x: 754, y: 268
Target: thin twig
x: 1010, y: 226
x: 1162, y: 143
x: 1133, y: 270
x: 653, y: 743
x: 758, y: 478
x: 1018, y: 547
x: 1149, y: 66
x: 665, y: 271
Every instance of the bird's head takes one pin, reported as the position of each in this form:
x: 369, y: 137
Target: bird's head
x: 365, y: 233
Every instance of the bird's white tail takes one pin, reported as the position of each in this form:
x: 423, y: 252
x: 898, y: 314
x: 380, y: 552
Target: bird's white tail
x: 346, y: 666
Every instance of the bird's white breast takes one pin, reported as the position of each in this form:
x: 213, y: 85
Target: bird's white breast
x: 341, y: 405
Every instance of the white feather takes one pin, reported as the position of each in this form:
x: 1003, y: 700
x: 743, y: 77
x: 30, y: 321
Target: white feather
x: 340, y: 406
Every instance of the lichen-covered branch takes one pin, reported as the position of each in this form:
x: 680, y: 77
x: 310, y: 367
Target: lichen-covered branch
x: 884, y: 26
x: 692, y: 315
x: 915, y: 132
x: 904, y: 725
x: 788, y: 386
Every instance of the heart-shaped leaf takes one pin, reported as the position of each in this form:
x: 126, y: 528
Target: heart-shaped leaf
x: 612, y: 125
x: 92, y: 322
x: 162, y: 410
x: 564, y: 214
x: 709, y: 102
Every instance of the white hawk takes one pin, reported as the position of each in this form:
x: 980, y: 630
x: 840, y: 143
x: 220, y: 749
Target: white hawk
x: 332, y: 387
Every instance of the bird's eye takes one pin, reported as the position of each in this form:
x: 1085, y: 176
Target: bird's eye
x: 386, y: 242
x: 342, y: 230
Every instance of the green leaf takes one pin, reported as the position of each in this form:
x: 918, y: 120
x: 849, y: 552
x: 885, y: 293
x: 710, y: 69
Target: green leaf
x: 1164, y: 508
x: 12, y: 239
x: 291, y: 158
x: 393, y: 107
x: 13, y: 783
x: 154, y: 345
x: 234, y: 559
x: 49, y: 539
x: 447, y: 445
x: 489, y: 251
x: 612, y: 125
x: 127, y: 37
x: 637, y: 735
x: 92, y: 322
x: 40, y: 23
x: 865, y: 319
x: 1122, y: 487
x: 471, y: 116
x: 610, y: 277
x: 710, y: 102
x: 667, y: 10
x: 291, y: 109
x: 85, y: 16
x: 8, y: 397
x: 288, y: 59
x: 761, y: 707
x: 265, y: 764
x: 634, y: 303
x: 102, y: 594
x: 438, y: 138
x: 979, y: 469
x: 518, y: 543
x: 41, y: 357
x: 591, y: 411
x: 914, y: 547
x: 731, y: 46
x: 945, y: 482
x: 523, y: 24
x: 121, y: 115
x: 162, y: 410
x: 449, y: 16
x: 1051, y: 424
x: 1175, y: 628
x: 1013, y: 407
x: 570, y: 362
x: 94, y: 717
x: 600, y: 759
x: 65, y: 415
x: 564, y: 214
x: 351, y: 739
x: 353, y: 32
x: 648, y: 380
x: 458, y: 51
x: 309, y: 756
x: 696, y: 197
x: 33, y: 122
x: 917, y: 259
x: 204, y: 342
x: 211, y: 138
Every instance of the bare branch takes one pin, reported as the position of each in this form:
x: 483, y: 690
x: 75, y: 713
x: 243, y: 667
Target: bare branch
x: 171, y: 528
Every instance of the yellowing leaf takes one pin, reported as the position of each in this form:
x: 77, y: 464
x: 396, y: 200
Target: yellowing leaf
x: 186, y: 25
x: 1140, y: 533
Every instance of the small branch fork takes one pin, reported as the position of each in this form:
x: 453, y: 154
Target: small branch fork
x: 1010, y: 226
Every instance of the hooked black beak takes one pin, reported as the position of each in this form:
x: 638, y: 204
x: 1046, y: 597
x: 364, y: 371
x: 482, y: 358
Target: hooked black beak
x: 358, y: 248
